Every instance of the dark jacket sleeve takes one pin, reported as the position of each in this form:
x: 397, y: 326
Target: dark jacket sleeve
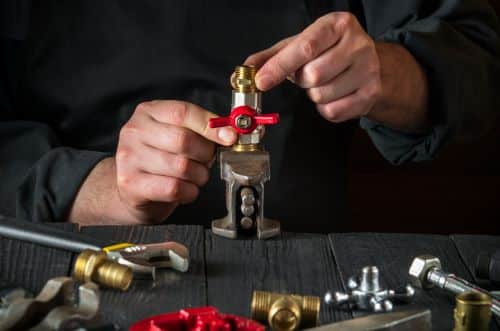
x: 39, y: 178
x: 457, y: 43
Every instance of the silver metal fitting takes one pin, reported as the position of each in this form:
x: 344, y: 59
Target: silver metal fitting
x: 426, y: 272
x: 366, y: 293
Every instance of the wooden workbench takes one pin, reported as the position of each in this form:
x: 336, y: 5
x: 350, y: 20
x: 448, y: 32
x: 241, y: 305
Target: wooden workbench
x: 223, y: 273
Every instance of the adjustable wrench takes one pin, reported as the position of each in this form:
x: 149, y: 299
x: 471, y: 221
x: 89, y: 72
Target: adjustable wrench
x: 143, y: 259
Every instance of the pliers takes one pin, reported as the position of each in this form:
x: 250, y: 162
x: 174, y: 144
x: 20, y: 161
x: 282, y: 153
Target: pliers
x: 143, y: 259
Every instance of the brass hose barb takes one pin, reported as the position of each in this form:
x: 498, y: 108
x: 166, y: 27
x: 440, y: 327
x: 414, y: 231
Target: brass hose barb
x: 285, y: 312
x: 243, y: 79
x: 94, y: 266
x: 472, y: 311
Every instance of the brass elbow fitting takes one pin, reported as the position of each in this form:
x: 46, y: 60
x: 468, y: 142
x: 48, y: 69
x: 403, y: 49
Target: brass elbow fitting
x: 285, y: 312
x: 94, y: 266
x: 472, y: 312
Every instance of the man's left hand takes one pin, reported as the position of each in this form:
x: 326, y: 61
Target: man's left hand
x: 334, y: 59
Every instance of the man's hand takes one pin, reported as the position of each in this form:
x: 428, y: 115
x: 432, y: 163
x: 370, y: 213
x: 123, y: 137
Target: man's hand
x: 347, y: 74
x: 163, y: 157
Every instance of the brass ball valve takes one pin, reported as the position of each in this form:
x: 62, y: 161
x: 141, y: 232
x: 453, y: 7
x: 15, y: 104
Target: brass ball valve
x: 246, y: 166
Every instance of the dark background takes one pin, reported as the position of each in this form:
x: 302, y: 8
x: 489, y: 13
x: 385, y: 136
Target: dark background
x: 458, y: 192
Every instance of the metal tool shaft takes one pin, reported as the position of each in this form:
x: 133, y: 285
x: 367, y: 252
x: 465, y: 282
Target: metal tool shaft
x: 405, y: 320
x: 458, y: 285
x: 44, y: 235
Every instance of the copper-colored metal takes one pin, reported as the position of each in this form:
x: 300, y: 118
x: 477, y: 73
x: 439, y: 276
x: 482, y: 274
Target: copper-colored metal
x: 472, y: 312
x: 94, y: 266
x: 243, y: 79
x: 285, y: 312
x: 246, y: 147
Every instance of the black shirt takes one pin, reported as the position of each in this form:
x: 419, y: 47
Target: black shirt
x: 73, y: 73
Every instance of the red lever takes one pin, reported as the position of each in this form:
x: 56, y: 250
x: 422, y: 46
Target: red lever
x: 196, y: 319
x: 244, y: 119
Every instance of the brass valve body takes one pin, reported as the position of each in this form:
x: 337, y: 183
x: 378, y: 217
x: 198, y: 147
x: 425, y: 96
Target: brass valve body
x: 94, y: 266
x: 285, y: 312
x: 472, y: 312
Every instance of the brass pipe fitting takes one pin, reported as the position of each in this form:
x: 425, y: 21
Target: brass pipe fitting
x: 285, y: 312
x: 94, y: 266
x: 246, y: 147
x: 243, y: 79
x: 472, y: 312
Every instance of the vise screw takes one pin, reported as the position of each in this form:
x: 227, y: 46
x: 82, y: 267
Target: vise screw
x: 245, y: 167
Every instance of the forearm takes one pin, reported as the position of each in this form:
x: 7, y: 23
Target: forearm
x: 97, y: 201
x: 403, y: 104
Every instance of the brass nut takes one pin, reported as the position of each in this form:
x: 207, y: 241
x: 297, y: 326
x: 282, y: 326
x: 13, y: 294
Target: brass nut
x: 94, y: 266
x: 285, y: 312
x: 472, y: 312
x: 243, y: 79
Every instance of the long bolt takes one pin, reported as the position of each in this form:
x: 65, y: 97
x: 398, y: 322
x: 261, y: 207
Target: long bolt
x: 458, y: 285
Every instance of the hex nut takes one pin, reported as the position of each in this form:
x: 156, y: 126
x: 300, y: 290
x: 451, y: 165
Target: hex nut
x: 419, y: 268
x: 243, y: 122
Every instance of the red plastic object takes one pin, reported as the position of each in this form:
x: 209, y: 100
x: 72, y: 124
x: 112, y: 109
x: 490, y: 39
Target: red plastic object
x: 196, y: 319
x: 249, y: 112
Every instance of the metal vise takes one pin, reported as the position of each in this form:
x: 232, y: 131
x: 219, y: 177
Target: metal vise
x: 245, y: 167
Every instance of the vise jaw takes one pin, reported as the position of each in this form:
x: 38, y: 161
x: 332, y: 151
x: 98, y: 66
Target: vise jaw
x: 245, y: 174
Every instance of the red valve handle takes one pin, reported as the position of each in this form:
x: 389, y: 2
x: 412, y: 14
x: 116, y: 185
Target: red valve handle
x: 244, y: 119
x: 196, y: 319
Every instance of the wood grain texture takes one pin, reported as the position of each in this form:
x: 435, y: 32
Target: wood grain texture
x: 296, y: 263
x: 469, y: 247
x: 393, y: 254
x: 170, y: 291
x: 29, y: 265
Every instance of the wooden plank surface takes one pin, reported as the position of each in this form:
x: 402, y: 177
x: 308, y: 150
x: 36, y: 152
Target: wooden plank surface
x: 224, y: 272
x: 393, y: 254
x: 295, y: 263
x: 469, y: 247
x: 29, y: 265
x: 170, y: 291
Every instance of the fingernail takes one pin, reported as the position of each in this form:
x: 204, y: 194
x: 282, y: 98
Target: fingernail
x: 227, y: 135
x: 263, y: 81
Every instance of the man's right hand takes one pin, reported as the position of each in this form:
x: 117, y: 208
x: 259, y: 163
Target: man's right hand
x: 163, y: 157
